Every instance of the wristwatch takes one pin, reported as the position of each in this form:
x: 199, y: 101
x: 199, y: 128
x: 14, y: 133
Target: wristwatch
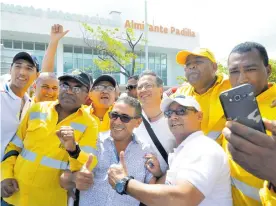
x: 121, y: 185
x: 75, y: 154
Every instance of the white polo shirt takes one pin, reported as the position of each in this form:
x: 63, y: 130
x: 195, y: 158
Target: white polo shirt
x: 203, y: 163
x: 162, y: 132
x: 10, y: 112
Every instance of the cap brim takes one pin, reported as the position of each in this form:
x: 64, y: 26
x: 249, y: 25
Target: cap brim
x: 166, y: 102
x: 24, y: 55
x: 68, y: 76
x: 105, y: 78
x: 182, y: 56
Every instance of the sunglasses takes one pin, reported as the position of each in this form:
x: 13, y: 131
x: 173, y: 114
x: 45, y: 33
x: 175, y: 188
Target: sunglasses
x: 131, y: 87
x: 123, y: 117
x: 179, y: 112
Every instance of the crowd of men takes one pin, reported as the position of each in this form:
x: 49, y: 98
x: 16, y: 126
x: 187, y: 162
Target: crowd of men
x: 80, y: 141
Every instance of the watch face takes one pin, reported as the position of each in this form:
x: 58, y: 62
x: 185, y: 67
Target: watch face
x: 119, y: 187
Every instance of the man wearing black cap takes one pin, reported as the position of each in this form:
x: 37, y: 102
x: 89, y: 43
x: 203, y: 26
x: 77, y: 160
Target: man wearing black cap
x: 103, y: 97
x: 52, y: 137
x: 14, y: 99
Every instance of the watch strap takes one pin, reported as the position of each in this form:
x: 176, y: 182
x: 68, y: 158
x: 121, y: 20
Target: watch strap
x: 75, y: 154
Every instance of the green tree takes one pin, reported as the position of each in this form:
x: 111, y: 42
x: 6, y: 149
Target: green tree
x: 113, y: 54
x: 272, y: 77
x: 222, y: 69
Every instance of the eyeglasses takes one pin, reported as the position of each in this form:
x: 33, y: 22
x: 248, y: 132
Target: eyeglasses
x: 66, y: 88
x: 179, y: 112
x: 123, y: 117
x: 102, y: 88
x: 131, y: 87
x: 146, y: 86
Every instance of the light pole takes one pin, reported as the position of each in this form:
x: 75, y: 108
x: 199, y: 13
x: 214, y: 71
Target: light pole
x: 146, y: 37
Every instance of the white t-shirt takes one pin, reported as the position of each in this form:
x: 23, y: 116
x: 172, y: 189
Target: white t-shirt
x: 162, y: 132
x: 10, y: 112
x: 203, y: 163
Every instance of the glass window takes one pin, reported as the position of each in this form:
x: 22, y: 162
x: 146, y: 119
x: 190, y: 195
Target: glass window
x: 67, y: 49
x: 164, y: 70
x: 68, y: 64
x: 28, y: 45
x: 163, y: 59
x: 87, y: 50
x: 78, y: 50
x: 158, y: 70
x: 17, y: 44
x: 151, y: 58
x: 164, y: 80
x: 7, y: 43
x: 157, y: 58
x: 40, y: 46
x: 77, y: 63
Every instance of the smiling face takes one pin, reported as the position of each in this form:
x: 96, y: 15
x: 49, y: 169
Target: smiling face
x: 148, y: 90
x: 119, y: 130
x: 104, y: 98
x: 23, y: 74
x: 46, y: 89
x: 183, y: 125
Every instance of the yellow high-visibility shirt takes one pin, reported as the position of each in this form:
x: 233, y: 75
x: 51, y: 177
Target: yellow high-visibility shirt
x: 213, y: 117
x: 245, y: 186
x: 268, y: 197
x: 42, y: 157
x: 104, y: 125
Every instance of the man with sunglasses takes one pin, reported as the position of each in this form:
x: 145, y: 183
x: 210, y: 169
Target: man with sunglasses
x: 198, y: 168
x: 102, y: 96
x: 53, y: 136
x: 124, y: 117
x: 132, y: 85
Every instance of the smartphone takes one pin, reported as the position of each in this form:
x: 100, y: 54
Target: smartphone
x: 239, y: 104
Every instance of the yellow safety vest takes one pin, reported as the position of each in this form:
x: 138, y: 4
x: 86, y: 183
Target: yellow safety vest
x: 245, y: 186
x: 42, y: 158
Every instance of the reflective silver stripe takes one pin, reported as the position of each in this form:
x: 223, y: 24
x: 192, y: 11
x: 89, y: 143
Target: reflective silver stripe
x: 46, y: 161
x: 17, y: 141
x: 214, y: 134
x: 89, y: 149
x: 28, y: 155
x: 249, y: 191
x: 57, y: 164
x: 38, y: 115
x: 78, y: 126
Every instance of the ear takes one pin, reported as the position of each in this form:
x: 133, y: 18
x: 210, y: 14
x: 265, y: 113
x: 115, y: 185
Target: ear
x: 215, y: 67
x: 199, y: 116
x: 138, y: 122
x: 268, y: 70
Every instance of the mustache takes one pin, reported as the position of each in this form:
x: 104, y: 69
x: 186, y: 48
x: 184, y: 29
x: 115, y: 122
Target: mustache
x: 67, y: 96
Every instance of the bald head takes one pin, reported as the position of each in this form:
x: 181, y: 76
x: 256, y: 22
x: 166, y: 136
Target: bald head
x: 46, y: 87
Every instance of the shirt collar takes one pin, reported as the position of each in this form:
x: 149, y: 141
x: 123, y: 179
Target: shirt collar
x: 13, y: 95
x: 270, y: 92
x: 188, y: 139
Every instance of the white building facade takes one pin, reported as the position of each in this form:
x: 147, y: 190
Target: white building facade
x: 28, y: 29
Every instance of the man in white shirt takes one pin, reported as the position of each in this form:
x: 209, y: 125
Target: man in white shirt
x: 150, y: 91
x: 198, y: 168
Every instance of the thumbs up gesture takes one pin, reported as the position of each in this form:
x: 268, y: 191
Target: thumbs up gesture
x: 85, y: 177
x: 118, y: 171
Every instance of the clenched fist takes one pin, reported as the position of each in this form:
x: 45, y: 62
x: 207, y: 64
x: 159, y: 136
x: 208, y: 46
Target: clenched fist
x: 66, y: 137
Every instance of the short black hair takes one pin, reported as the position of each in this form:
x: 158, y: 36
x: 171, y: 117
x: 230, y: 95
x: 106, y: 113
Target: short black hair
x: 249, y: 46
x: 136, y: 77
x: 132, y: 102
x: 159, y: 81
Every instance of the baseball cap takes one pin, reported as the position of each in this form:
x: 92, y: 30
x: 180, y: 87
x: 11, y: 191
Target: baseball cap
x: 203, y: 52
x: 186, y: 101
x: 82, y: 77
x: 107, y: 78
x: 28, y: 57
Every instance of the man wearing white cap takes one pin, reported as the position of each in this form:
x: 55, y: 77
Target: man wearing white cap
x: 198, y: 168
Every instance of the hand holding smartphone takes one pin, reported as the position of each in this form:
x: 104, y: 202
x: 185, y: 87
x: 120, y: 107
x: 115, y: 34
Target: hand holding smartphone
x: 239, y: 104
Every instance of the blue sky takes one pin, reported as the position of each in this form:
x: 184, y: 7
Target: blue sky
x: 221, y: 23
